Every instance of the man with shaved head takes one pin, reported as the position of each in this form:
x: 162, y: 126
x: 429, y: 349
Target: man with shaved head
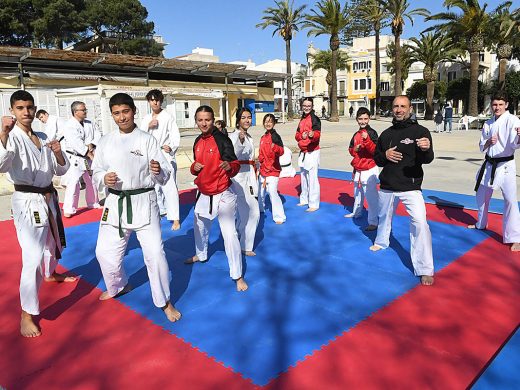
x: 401, y: 151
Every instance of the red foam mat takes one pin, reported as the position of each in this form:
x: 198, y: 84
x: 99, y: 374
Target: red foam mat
x: 79, y: 348
x: 432, y: 337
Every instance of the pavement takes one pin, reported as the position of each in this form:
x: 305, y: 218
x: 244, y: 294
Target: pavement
x: 457, y: 157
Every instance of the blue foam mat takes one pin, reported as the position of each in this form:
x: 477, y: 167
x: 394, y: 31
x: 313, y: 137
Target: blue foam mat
x: 312, y: 279
x: 504, y: 371
x: 431, y: 196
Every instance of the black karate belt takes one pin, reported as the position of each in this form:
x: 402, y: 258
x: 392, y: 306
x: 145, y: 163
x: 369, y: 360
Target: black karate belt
x: 285, y: 165
x: 304, y: 154
x: 126, y: 194
x: 494, y: 161
x: 210, y: 201
x: 59, y: 222
x: 76, y: 154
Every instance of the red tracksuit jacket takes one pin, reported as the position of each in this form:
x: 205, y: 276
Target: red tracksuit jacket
x: 364, y: 158
x: 271, y: 148
x: 308, y: 123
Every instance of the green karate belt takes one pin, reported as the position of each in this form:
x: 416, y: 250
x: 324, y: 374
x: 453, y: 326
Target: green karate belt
x: 126, y: 194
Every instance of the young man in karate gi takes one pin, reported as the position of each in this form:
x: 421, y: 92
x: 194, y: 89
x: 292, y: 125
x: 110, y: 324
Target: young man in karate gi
x: 401, y: 150
x: 81, y: 136
x: 53, y: 125
x: 130, y: 163
x: 31, y: 159
x: 163, y: 127
x: 500, y: 139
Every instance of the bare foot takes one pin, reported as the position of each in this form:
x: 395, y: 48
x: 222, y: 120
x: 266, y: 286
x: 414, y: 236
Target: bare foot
x: 515, y: 247
x: 176, y: 225
x: 375, y: 248
x: 350, y: 215
x: 311, y: 209
x: 192, y: 260
x: 56, y: 277
x: 241, y: 285
x: 370, y: 228
x: 171, y: 312
x: 301, y: 204
x: 278, y: 222
x: 67, y: 215
x: 426, y: 280
x: 27, y: 326
x: 249, y: 253
x: 474, y: 227
x: 105, y: 295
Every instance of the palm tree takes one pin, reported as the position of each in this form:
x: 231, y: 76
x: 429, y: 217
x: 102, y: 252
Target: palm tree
x: 431, y: 50
x: 398, y: 11
x: 468, y: 29
x: 323, y: 60
x: 374, y: 12
x: 503, y: 28
x: 286, y: 21
x: 329, y: 19
x: 405, y: 63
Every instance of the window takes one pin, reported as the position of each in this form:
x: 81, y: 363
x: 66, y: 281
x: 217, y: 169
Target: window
x: 363, y: 84
x: 342, y: 90
x: 452, y: 76
x: 481, y: 57
x: 362, y: 66
x: 384, y: 86
x: 356, y: 85
x: 278, y: 91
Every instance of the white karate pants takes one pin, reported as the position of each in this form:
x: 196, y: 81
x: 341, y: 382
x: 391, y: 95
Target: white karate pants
x: 248, y: 215
x: 73, y: 189
x: 511, y: 217
x: 168, y: 196
x: 365, y: 185
x: 38, y: 249
x: 269, y: 185
x: 310, y: 185
x: 420, y: 236
x: 110, y: 251
x: 226, y: 220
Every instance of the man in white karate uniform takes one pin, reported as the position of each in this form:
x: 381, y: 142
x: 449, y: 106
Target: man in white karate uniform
x: 163, y: 127
x: 130, y: 163
x: 53, y: 125
x: 401, y: 150
x: 500, y: 139
x: 31, y: 159
x: 80, y: 138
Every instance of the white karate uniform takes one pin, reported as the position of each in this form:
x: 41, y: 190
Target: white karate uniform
x: 167, y: 133
x: 54, y: 127
x: 365, y: 184
x: 27, y: 165
x: 286, y: 163
x: 77, y: 139
x: 129, y: 156
x: 223, y: 206
x: 309, y: 164
x: 269, y: 185
x: 246, y: 187
x: 505, y: 175
x: 420, y: 235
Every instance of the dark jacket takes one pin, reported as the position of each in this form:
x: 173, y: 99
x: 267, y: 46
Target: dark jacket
x: 364, y: 158
x: 210, y: 150
x: 407, y: 174
x: 438, y: 117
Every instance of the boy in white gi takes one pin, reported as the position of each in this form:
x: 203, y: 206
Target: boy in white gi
x: 500, y: 139
x: 163, y: 127
x: 81, y: 136
x: 32, y: 160
x: 245, y: 182
x: 401, y: 150
x: 53, y: 125
x: 362, y: 147
x: 130, y: 163
x: 214, y: 165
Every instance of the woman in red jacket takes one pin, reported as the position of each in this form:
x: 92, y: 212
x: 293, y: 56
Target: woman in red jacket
x: 214, y: 165
x: 271, y: 148
x: 308, y: 137
x: 362, y: 147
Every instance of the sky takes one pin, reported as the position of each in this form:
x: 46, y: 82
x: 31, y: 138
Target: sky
x: 228, y: 27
